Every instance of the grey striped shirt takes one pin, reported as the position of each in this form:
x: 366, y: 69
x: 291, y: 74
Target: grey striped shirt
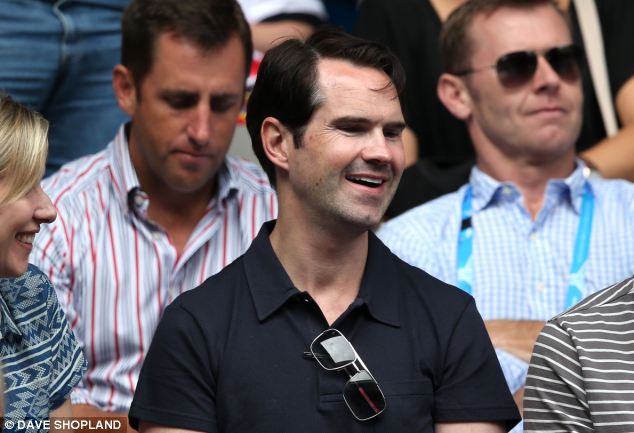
x: 581, y: 376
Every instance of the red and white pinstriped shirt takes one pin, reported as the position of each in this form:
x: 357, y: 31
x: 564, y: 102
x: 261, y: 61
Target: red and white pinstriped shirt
x: 115, y: 271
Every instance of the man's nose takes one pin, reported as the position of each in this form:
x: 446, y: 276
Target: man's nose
x: 545, y: 75
x: 377, y: 149
x: 199, y: 128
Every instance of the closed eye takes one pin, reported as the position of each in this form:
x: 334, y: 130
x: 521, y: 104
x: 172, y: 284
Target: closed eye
x: 224, y: 103
x: 180, y: 100
x: 393, y: 132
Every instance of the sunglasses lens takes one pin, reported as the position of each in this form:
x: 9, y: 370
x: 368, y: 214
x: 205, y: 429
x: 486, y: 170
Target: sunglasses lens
x: 566, y: 61
x: 363, y: 396
x: 515, y: 69
x: 332, y: 350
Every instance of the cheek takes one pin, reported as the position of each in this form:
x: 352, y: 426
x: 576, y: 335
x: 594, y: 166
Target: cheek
x: 398, y: 158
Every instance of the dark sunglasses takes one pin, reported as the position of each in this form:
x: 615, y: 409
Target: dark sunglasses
x: 517, y: 68
x: 361, y: 393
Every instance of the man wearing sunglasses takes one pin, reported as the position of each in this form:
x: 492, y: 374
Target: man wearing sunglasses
x: 530, y: 234
x: 318, y: 327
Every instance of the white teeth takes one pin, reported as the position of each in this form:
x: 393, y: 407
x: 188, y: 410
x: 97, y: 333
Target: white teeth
x: 26, y: 238
x: 367, y: 180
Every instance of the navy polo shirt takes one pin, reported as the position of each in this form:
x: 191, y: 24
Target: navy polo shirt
x: 229, y: 357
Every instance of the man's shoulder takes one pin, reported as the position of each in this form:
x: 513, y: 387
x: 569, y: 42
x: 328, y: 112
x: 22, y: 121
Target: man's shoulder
x: 417, y: 284
x: 217, y: 293
x: 250, y: 176
x: 619, y: 191
x: 416, y: 235
x: 611, y: 296
x: 430, y: 216
x: 78, y: 176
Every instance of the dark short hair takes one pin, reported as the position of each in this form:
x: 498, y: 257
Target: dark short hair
x: 456, y: 45
x: 287, y: 86
x: 208, y: 23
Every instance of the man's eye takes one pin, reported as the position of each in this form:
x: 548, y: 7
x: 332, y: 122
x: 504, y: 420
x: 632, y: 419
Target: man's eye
x: 352, y: 129
x: 392, y: 133
x: 181, y: 102
x: 222, y: 105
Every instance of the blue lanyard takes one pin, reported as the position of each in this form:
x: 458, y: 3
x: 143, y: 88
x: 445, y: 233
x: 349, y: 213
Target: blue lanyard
x: 580, y: 254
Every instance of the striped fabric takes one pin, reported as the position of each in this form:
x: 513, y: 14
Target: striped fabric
x: 581, y: 377
x: 115, y: 271
x: 521, y: 266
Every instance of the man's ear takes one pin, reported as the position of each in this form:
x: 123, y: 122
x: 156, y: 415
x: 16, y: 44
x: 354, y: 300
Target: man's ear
x: 276, y: 142
x: 453, y: 93
x: 124, y: 89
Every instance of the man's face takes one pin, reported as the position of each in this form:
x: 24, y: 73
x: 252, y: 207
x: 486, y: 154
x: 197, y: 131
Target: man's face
x: 536, y: 120
x: 351, y: 158
x: 184, y: 113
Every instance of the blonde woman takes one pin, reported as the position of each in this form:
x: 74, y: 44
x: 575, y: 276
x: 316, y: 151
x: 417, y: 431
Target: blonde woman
x: 40, y: 357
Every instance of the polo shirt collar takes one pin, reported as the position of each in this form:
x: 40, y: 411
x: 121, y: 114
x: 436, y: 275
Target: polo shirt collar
x: 487, y: 190
x: 127, y: 183
x: 271, y: 287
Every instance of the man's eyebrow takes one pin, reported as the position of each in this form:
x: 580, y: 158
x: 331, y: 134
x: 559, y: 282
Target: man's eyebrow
x: 350, y: 120
x: 396, y: 125
x: 170, y: 93
x: 225, y: 95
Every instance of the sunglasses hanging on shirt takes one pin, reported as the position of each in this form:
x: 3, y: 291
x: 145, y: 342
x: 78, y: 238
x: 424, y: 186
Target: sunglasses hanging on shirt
x: 361, y: 393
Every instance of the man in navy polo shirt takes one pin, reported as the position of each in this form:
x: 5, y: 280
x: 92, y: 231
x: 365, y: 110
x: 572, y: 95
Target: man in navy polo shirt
x: 318, y: 327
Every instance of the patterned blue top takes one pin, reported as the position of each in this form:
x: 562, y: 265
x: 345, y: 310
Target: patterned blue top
x: 40, y: 357
x: 521, y: 267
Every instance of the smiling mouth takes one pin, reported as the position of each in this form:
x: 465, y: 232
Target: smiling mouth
x: 26, y: 238
x: 370, y: 182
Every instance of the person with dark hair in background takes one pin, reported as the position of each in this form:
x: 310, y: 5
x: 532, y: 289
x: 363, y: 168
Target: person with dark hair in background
x: 531, y: 233
x: 161, y: 208
x: 40, y: 358
x: 392, y: 349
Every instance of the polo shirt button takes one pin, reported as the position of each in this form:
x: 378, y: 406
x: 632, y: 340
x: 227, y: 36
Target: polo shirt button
x: 533, y: 236
x: 138, y: 200
x: 507, y: 190
x: 306, y: 299
x: 156, y: 235
x: 540, y: 287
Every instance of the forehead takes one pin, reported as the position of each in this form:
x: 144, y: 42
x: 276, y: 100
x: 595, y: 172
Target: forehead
x: 179, y: 61
x: 351, y: 90
x: 514, y: 29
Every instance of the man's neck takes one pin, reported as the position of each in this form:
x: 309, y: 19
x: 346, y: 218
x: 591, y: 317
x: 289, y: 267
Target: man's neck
x: 327, y: 263
x: 530, y: 178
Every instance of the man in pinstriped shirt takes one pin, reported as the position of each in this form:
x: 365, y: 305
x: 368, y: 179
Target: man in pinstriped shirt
x: 530, y: 234
x: 162, y: 207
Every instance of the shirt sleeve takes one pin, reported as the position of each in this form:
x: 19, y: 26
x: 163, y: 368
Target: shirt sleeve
x: 514, y: 370
x: 176, y: 386
x: 555, y: 398
x: 472, y: 386
x: 67, y: 360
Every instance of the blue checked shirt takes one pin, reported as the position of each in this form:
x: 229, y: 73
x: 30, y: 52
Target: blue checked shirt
x: 521, y: 267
